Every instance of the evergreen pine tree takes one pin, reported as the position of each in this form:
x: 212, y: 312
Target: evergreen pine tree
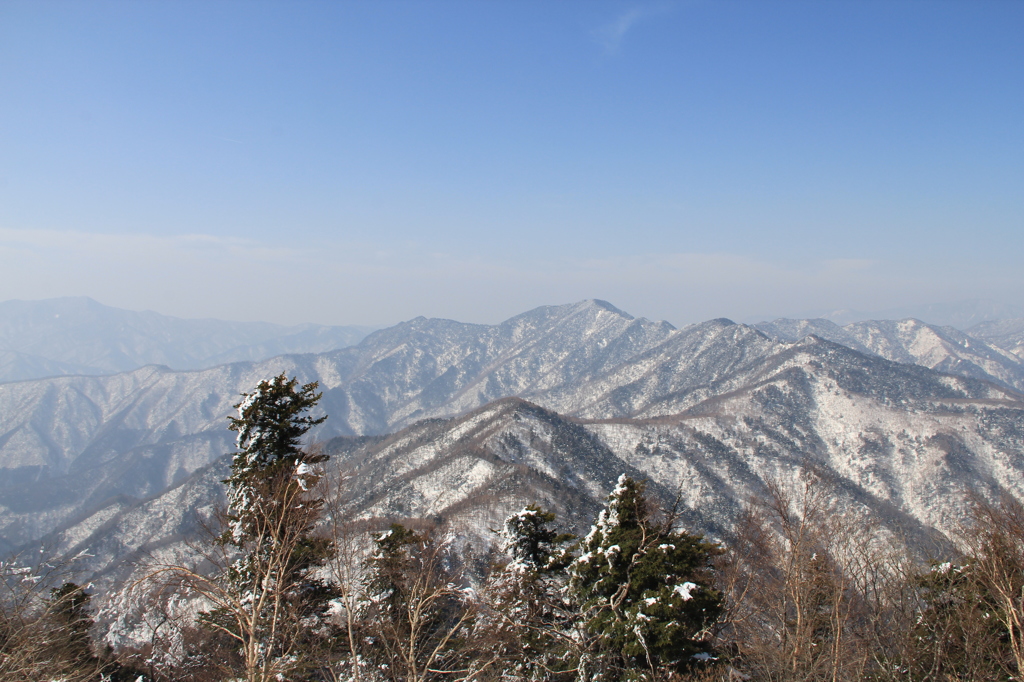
x: 271, y: 601
x: 532, y: 544
x: 644, y: 592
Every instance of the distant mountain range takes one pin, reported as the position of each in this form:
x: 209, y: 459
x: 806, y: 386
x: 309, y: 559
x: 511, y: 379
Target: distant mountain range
x: 72, y: 447
x: 440, y: 419
x: 898, y: 445
x: 1007, y: 334
x: 66, y: 336
x: 911, y: 341
x: 960, y: 314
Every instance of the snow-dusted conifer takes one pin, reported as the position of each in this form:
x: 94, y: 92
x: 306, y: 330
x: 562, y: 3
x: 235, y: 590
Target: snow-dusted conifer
x: 644, y: 592
x: 532, y: 544
x: 270, y: 601
x: 530, y: 618
x: 270, y: 424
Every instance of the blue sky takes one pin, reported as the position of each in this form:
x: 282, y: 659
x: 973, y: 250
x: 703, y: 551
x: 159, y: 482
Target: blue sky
x: 366, y: 162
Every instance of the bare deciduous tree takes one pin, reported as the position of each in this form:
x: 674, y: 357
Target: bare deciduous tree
x: 259, y: 601
x: 814, y: 590
x: 44, y: 630
x: 995, y: 541
x: 420, y: 614
x: 973, y: 609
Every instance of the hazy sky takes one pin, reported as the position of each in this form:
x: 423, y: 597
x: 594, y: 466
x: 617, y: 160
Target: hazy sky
x: 366, y: 162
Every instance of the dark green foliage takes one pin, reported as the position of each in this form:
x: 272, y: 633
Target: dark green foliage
x: 533, y: 545
x: 270, y: 425
x: 271, y: 421
x: 396, y: 555
x: 956, y: 631
x: 644, y: 591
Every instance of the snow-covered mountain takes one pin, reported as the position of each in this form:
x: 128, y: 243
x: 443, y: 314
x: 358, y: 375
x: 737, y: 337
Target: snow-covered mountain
x: 901, y: 445
x: 67, y: 443
x: 945, y: 349
x: 80, y: 336
x: 1006, y: 334
x: 78, y: 453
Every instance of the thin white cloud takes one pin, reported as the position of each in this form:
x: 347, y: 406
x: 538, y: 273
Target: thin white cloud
x: 611, y: 35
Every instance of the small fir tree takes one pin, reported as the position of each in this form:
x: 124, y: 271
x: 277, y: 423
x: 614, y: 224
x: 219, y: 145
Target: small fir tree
x: 535, y: 547
x: 270, y: 426
x: 643, y: 589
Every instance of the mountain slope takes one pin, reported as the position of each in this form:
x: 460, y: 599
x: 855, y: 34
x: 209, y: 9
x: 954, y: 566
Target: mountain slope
x: 67, y: 443
x: 470, y: 470
x: 18, y: 366
x: 902, y: 443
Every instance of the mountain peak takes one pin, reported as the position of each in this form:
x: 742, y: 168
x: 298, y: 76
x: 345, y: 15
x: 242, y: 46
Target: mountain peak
x: 603, y: 305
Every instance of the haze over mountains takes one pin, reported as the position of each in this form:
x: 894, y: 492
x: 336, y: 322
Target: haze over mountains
x: 960, y: 314
x: 80, y: 336
x: 1008, y: 334
x: 70, y: 336
x: 911, y: 341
